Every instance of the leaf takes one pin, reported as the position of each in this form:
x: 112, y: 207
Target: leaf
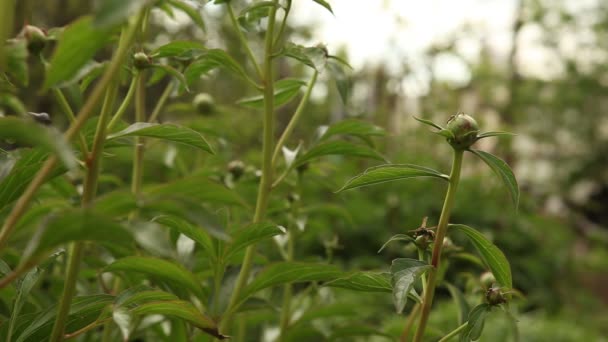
x: 173, y: 72
x: 503, y: 171
x: 337, y: 148
x: 430, y: 123
x: 289, y: 272
x: 113, y: 12
x: 342, y: 78
x: 397, y: 237
x: 184, y: 227
x: 211, y: 59
x: 190, y: 11
x: 460, y: 301
x: 29, y: 133
x: 404, y: 273
x: 491, y: 255
x: 16, y: 61
x: 494, y: 134
x: 314, y: 56
x: 179, y: 49
x: 475, y: 325
x: 170, y: 132
x: 390, y: 172
x: 251, y: 235
x: 141, y: 294
x: 356, y: 128
x: 364, y: 281
x: 24, y: 287
x: 324, y: 4
x: 284, y: 91
x: 161, y: 269
x: 77, y: 45
x: 195, y: 187
x: 76, y: 225
x: 254, y: 13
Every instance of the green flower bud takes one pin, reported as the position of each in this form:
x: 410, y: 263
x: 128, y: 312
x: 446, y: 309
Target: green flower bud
x: 465, y: 130
x: 203, y: 103
x: 141, y: 60
x: 487, y: 280
x: 35, y: 37
x: 494, y: 296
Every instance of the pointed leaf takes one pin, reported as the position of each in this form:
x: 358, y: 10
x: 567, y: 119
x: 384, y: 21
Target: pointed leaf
x: 197, y: 188
x: 342, y: 78
x: 324, y: 4
x: 391, y: 172
x: 364, y: 281
x: 77, y: 45
x: 494, y: 134
x: 491, y: 255
x: 289, y: 272
x: 190, y: 230
x: 192, y: 12
x: 284, y: 91
x: 314, y: 56
x: 24, y: 286
x: 170, y: 132
x: 179, y: 49
x: 211, y: 59
x: 113, y: 12
x: 404, y: 273
x: 475, y: 324
x: 161, y: 269
x: 353, y: 127
x: 251, y: 235
x: 398, y: 237
x: 503, y: 171
x: 337, y: 148
x: 430, y: 123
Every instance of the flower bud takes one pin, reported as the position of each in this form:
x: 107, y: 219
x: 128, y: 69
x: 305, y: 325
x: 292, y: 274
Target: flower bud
x: 35, y: 37
x: 236, y: 169
x: 465, y: 130
x: 487, y: 280
x: 203, y: 103
x: 494, y: 296
x: 141, y: 60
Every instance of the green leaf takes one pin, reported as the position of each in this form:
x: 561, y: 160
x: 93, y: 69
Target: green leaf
x: 179, y: 49
x: 337, y: 148
x: 430, y: 123
x: 211, y: 59
x: 404, y: 273
x: 397, y: 237
x: 29, y: 133
x: 183, y: 310
x: 12, y: 105
x: 170, y: 132
x: 475, y: 325
x: 324, y: 4
x: 113, y: 12
x: 342, y: 78
x: 460, y: 301
x: 24, y: 286
x: 491, y: 255
x: 161, y: 269
x: 314, y: 56
x: 16, y: 61
x: 494, y: 134
x: 289, y: 272
x: 251, y: 235
x: 252, y: 15
x: 188, y: 229
x: 117, y: 203
x: 173, y: 72
x: 347, y: 332
x: 503, y: 171
x: 190, y: 11
x: 391, y: 172
x: 353, y: 127
x: 364, y: 281
x: 192, y: 188
x: 284, y: 91
x: 142, y: 294
x: 77, y: 45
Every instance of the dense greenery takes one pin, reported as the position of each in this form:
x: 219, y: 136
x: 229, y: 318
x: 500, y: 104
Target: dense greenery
x: 162, y: 184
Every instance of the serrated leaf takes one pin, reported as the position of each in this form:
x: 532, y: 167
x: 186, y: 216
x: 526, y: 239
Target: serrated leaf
x: 161, y: 269
x: 114, y: 12
x: 251, y: 235
x: 353, y: 127
x: 179, y: 49
x: 404, y: 273
x: 364, y: 281
x: 397, y: 237
x: 77, y: 45
x: 503, y: 171
x: 475, y: 324
x: 211, y: 59
x: 190, y: 230
x: 289, y: 272
x: 170, y: 132
x: 76, y: 225
x: 430, y: 123
x: 190, y: 11
x: 324, y: 4
x: 284, y: 91
x: 391, y: 172
x: 337, y: 148
x: 313, y: 56
x: 491, y: 255
x: 494, y: 134
x: 29, y: 133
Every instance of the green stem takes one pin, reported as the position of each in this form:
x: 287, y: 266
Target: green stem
x: 161, y: 102
x: 138, y: 157
x: 283, y: 23
x: 7, y: 14
x: 287, y: 291
x: 244, y: 41
x: 266, y: 181
x: 125, y: 102
x: 67, y: 109
x: 422, y: 258
x: 89, y: 191
x: 454, y: 332
x: 294, y: 119
x: 438, y: 243
x: 85, y: 112
x: 410, y: 321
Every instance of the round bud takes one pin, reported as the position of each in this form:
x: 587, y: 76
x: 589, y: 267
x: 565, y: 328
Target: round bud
x: 465, y: 130
x: 141, y: 60
x: 35, y: 37
x: 236, y: 168
x: 422, y: 241
x: 203, y: 103
x: 494, y: 296
x: 487, y: 280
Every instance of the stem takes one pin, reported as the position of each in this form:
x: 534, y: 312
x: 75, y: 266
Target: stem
x: 283, y: 23
x: 410, y: 321
x: 294, y: 118
x: 288, y: 290
x: 7, y: 13
x: 65, y: 107
x: 438, y: 243
x: 161, y: 102
x: 23, y: 202
x: 140, y: 116
x: 266, y: 181
x: 125, y: 102
x: 243, y: 40
x: 421, y: 258
x: 454, y: 332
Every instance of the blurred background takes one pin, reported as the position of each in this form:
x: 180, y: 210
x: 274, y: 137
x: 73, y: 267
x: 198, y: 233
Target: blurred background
x: 533, y: 67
